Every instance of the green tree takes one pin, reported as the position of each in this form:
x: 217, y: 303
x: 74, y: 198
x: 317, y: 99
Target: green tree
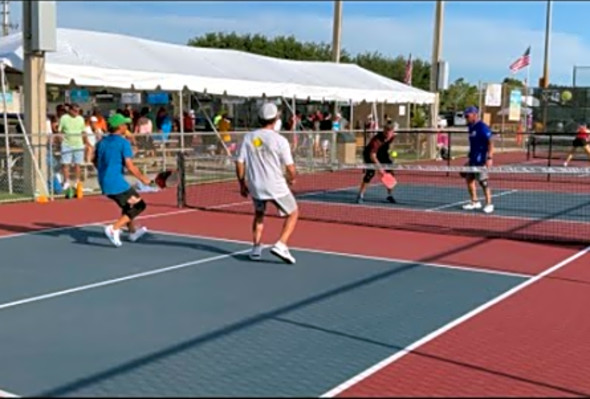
x: 288, y: 47
x: 459, y: 96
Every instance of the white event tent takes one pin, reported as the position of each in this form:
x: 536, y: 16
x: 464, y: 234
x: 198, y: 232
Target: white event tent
x: 97, y: 59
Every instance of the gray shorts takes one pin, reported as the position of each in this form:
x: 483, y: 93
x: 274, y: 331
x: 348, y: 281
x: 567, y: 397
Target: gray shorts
x: 285, y: 205
x: 72, y: 156
x: 479, y: 176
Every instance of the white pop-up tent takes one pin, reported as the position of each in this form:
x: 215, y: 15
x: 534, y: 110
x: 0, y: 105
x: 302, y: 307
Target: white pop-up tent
x: 96, y: 59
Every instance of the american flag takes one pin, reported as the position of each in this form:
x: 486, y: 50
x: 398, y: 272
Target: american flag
x: 522, y: 62
x: 408, y: 76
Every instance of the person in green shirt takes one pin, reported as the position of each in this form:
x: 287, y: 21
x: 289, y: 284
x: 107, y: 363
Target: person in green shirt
x: 73, y: 141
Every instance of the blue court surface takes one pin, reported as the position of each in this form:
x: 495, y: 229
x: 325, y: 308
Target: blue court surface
x: 525, y: 204
x: 178, y: 315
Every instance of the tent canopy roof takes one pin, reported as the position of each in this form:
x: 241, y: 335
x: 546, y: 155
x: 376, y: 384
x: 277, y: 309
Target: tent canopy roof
x: 98, y: 59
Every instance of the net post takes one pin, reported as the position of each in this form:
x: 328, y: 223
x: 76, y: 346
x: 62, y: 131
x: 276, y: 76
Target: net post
x: 450, y: 145
x: 181, y: 189
x: 550, y: 155
x: 530, y: 142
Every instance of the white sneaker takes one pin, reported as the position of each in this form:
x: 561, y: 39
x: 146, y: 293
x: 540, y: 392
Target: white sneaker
x: 138, y: 234
x: 488, y: 208
x: 114, y: 236
x: 256, y: 253
x: 281, y: 251
x: 471, y: 206
x: 565, y: 164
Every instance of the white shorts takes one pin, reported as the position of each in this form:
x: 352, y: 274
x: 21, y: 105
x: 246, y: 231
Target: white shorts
x: 285, y: 205
x: 71, y: 156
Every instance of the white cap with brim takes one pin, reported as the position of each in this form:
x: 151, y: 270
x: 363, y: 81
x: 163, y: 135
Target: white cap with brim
x: 268, y: 111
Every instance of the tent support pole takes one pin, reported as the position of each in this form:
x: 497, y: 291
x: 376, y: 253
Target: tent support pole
x: 6, y: 134
x: 212, y: 125
x: 181, y: 117
x: 351, y: 117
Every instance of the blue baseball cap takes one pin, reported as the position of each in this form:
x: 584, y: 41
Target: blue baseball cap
x: 471, y: 110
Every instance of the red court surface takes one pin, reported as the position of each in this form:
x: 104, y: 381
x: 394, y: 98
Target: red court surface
x: 532, y: 342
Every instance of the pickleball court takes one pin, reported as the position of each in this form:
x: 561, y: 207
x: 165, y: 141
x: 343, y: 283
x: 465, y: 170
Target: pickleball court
x: 364, y: 311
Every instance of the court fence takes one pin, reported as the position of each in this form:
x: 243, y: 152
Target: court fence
x: 31, y: 166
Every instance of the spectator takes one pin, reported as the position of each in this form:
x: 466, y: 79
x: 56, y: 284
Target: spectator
x: 102, y: 123
x: 163, y: 124
x: 93, y: 134
x: 187, y: 122
x: 279, y: 122
x: 71, y: 126
x: 143, y: 132
x: 224, y: 128
x: 336, y: 122
x: 442, y: 145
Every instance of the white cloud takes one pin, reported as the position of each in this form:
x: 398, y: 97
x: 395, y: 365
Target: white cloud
x: 477, y: 48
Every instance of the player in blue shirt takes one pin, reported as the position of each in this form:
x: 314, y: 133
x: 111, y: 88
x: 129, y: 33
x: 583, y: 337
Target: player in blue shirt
x: 112, y: 155
x: 481, y: 150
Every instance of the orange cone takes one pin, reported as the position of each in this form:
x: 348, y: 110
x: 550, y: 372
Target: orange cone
x: 42, y: 199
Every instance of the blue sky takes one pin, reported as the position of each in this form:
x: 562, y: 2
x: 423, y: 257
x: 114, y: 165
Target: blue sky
x: 481, y: 38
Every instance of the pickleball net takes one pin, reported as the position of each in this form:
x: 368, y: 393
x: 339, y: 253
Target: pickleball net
x: 531, y: 203
x: 555, y: 148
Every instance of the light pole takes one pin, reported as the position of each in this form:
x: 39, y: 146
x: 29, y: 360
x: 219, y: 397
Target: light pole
x: 544, y: 83
x: 436, y: 57
x: 336, y: 38
x: 337, y: 31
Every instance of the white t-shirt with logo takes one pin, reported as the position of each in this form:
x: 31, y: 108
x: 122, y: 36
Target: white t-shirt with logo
x: 266, y: 154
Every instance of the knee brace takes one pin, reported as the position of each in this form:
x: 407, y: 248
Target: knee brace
x: 133, y: 211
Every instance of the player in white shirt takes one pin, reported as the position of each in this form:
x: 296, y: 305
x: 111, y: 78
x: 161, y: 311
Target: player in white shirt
x: 263, y: 156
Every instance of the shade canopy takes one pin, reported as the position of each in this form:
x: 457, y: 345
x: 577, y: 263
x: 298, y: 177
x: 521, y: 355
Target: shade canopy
x: 98, y: 59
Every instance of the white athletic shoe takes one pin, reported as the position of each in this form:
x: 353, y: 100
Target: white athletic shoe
x: 114, y: 236
x: 472, y: 206
x: 256, y: 252
x: 281, y: 251
x: 138, y: 234
x: 488, y: 209
x: 565, y: 164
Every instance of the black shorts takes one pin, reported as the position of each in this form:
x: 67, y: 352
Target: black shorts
x: 123, y: 200
x: 579, y: 142
x: 370, y: 173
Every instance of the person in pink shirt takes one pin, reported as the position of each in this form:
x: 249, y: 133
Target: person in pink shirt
x: 143, y: 131
x: 442, y: 145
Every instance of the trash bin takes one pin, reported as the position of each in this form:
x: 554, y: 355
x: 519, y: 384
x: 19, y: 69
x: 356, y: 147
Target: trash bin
x: 346, y: 143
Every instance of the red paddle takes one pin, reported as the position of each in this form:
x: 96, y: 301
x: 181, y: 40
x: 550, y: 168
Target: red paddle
x: 167, y: 178
x: 388, y: 180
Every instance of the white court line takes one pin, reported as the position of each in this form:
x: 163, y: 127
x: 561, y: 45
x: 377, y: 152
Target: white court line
x: 356, y: 256
x: 455, y: 204
x: 5, y: 394
x: 117, y: 280
x: 44, y: 231
x: 437, y: 333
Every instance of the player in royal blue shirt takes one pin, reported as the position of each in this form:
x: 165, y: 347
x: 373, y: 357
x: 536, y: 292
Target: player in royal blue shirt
x: 481, y: 150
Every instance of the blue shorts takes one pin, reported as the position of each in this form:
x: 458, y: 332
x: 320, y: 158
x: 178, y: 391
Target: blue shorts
x: 71, y: 156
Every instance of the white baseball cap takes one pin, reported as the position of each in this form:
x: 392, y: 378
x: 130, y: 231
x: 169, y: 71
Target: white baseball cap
x: 268, y: 111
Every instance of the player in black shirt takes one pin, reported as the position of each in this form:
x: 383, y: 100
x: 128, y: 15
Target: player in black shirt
x: 377, y: 153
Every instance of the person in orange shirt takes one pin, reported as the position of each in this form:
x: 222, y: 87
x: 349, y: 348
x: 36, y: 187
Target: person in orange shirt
x: 101, y: 121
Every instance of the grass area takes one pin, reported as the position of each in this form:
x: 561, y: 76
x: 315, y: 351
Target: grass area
x: 7, y: 197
